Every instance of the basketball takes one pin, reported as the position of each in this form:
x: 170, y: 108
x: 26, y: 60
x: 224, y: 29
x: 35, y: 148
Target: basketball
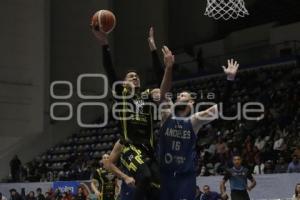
x: 104, y: 20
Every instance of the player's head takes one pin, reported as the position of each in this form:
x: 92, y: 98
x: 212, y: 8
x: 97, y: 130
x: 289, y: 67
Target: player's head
x: 237, y: 160
x: 155, y: 94
x: 132, y: 78
x: 206, y: 189
x: 105, y: 156
x: 295, y: 159
x: 184, y: 101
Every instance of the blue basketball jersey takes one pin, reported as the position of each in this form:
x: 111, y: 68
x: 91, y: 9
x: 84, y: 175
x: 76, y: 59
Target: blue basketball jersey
x: 177, y: 142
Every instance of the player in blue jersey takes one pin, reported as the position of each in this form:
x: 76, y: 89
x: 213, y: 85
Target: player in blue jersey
x: 178, y: 134
x: 238, y: 177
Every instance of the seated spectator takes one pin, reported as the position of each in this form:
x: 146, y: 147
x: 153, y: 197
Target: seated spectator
x: 209, y: 195
x: 294, y: 166
x: 66, y: 196
x: 80, y: 194
x: 2, y: 197
x: 14, y: 195
x: 198, y: 193
x: 297, y: 152
x: 260, y: 143
x: 221, y: 149
x: 279, y: 144
x: 281, y: 166
x: 50, y: 195
x: 39, y: 194
x: 269, y: 153
x: 212, y: 148
x: 259, y: 167
x: 269, y: 167
x: 30, y: 196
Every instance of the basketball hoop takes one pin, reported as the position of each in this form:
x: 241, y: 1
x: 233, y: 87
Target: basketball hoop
x: 226, y: 9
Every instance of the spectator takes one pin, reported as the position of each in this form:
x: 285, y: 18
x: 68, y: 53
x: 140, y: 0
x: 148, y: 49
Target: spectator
x: 279, y: 144
x: 15, y: 167
x: 294, y: 166
x: 39, y: 194
x: 66, y: 196
x: 14, y: 195
x: 269, y: 167
x: 30, y: 196
x: 259, y: 167
x: 2, y: 197
x: 281, y: 166
x: 296, y: 196
x: 221, y: 149
x: 212, y: 148
x: 297, y: 152
x: 260, y: 143
x: 80, y: 194
x: 198, y: 193
x: 50, y: 195
x: 209, y: 195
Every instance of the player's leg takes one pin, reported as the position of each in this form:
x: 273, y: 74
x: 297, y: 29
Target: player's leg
x: 185, y: 187
x: 166, y: 185
x: 134, y: 161
x: 239, y: 195
x: 155, y: 179
x: 143, y: 182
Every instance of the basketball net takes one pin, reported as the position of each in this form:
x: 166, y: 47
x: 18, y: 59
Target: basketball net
x: 226, y: 9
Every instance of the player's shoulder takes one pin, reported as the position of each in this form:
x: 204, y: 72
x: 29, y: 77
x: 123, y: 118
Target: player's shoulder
x: 246, y: 170
x: 228, y: 170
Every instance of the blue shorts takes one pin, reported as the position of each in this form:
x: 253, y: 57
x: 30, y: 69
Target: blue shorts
x: 178, y: 187
x: 126, y: 192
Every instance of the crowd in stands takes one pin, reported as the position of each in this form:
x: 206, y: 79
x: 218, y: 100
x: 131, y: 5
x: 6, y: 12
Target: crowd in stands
x: 268, y: 145
x: 81, y: 194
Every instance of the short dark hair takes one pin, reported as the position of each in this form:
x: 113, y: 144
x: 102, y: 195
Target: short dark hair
x: 236, y: 155
x: 39, y: 189
x: 129, y: 71
x: 12, y: 190
x: 206, y: 186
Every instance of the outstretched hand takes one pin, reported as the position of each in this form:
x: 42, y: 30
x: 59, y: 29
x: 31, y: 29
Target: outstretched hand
x: 231, y: 70
x: 151, y: 39
x: 100, y: 35
x: 169, y: 58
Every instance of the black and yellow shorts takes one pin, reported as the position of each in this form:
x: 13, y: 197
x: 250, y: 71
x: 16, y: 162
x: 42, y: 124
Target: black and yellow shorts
x: 139, y: 164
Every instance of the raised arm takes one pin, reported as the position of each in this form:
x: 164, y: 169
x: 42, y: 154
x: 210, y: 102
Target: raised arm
x: 201, y: 118
x: 107, y: 60
x: 166, y: 83
x: 156, y: 64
